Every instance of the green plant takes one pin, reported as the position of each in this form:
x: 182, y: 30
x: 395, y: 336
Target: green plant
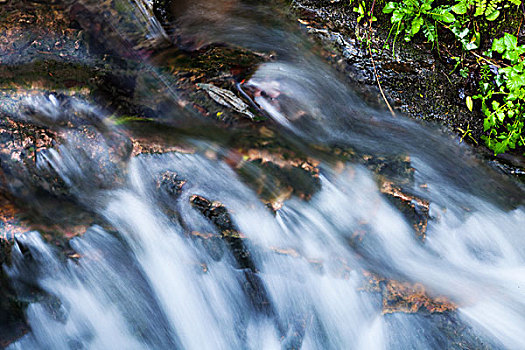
x: 413, y: 16
x: 363, y: 13
x: 501, y: 89
x: 467, y: 133
x: 490, y: 9
x: 463, y: 71
x: 469, y: 38
x: 502, y: 94
x: 365, y: 16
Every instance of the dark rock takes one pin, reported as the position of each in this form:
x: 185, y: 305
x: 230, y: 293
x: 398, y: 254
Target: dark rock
x: 170, y: 183
x: 219, y: 216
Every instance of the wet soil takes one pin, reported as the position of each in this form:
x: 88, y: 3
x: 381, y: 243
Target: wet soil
x: 418, y: 80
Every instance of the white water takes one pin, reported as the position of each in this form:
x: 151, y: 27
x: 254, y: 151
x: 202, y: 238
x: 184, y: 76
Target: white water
x: 149, y: 291
x: 148, y: 284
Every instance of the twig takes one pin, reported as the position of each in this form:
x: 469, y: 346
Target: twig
x: 373, y: 62
x: 523, y: 12
x: 379, y: 84
x: 487, y: 60
x: 519, y: 27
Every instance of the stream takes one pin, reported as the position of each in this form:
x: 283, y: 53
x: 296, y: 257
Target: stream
x: 200, y: 262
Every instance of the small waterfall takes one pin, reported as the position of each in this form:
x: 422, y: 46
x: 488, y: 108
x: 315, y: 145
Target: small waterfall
x: 150, y: 284
x: 185, y: 255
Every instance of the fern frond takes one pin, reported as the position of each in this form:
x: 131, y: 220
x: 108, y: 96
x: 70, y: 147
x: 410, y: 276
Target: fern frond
x: 492, y: 6
x: 481, y: 6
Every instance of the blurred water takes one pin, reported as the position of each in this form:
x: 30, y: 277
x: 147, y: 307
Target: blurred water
x: 148, y: 289
x: 150, y: 283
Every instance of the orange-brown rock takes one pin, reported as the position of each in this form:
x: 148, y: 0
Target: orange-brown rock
x: 405, y: 297
x: 415, y: 209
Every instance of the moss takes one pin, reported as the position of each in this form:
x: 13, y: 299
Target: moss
x: 211, y: 61
x: 52, y: 75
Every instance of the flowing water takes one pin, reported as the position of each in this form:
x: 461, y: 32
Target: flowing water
x: 141, y: 281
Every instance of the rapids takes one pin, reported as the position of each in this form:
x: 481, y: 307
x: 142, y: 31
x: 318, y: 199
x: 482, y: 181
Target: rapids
x: 145, y: 281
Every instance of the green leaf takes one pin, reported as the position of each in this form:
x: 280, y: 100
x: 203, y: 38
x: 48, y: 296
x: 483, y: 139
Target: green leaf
x: 498, y: 45
x: 473, y: 44
x: 500, y: 80
x: 397, y: 16
x: 520, y: 49
x: 492, y: 16
x: 427, y: 6
x: 510, y: 41
x: 486, y: 124
x: 470, y: 103
x: 463, y: 33
x: 516, y: 94
x: 391, y: 6
x: 481, y: 5
x: 460, y: 8
x: 447, y: 17
x: 430, y: 31
x: 416, y: 25
x: 516, y: 82
x: 511, y: 55
x: 500, y: 147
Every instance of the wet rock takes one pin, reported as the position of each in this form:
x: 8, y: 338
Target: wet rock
x: 275, y: 184
x: 153, y: 145
x: 251, y: 283
x: 414, y: 209
x: 163, y: 11
x: 219, y: 216
x: 99, y: 159
x: 276, y: 173
x: 171, y: 183
x: 411, y: 298
x: 253, y: 287
x: 19, y: 150
x: 35, y: 161
x: 62, y: 223
x: 215, y: 63
x: 406, y: 297
x: 395, y: 178
x: 212, y: 243
x: 442, y: 330
x: 31, y: 31
x: 131, y: 27
x: 12, y: 324
x: 206, y: 80
x: 397, y: 169
x: 11, y: 226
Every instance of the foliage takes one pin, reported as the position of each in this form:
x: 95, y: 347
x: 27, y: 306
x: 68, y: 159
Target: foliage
x: 363, y: 13
x: 502, y: 95
x: 501, y: 89
x: 490, y: 9
x: 469, y: 38
x: 413, y: 16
